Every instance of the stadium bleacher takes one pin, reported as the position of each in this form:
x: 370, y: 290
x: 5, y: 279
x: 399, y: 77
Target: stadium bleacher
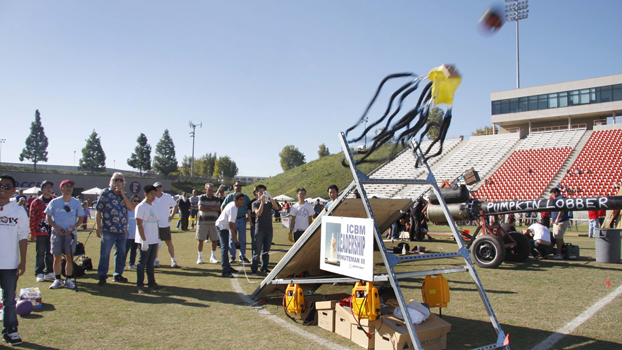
x: 525, y: 175
x: 480, y: 152
x: 541, y: 153
x: 552, y: 139
x: 403, y: 167
x: 532, y: 165
x: 604, y: 147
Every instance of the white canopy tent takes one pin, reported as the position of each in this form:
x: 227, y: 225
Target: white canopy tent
x: 32, y: 190
x: 283, y: 198
x: 94, y: 191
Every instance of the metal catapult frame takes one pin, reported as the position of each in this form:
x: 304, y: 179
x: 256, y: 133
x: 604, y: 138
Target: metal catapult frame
x: 390, y: 260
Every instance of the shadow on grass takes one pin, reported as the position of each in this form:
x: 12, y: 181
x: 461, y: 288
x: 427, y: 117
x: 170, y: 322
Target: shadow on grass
x: 170, y: 295
x: 28, y: 345
x: 540, y: 265
x: 466, y: 333
x: 415, y: 284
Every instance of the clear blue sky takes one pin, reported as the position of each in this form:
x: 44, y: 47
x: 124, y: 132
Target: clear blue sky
x: 261, y: 75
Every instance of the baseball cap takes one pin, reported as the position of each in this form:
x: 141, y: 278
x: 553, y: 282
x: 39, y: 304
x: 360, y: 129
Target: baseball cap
x: 157, y: 184
x: 66, y: 182
x: 46, y: 182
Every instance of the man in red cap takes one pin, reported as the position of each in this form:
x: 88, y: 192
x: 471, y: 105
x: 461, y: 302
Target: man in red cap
x: 64, y: 215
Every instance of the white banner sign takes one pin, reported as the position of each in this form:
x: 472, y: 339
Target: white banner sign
x: 348, y: 247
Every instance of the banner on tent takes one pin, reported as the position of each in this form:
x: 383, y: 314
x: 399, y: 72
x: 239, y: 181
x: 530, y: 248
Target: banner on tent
x: 348, y: 247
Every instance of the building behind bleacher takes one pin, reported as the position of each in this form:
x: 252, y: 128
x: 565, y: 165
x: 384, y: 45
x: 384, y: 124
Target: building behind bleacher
x: 575, y: 104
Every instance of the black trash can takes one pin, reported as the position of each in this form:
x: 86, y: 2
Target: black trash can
x: 608, y: 245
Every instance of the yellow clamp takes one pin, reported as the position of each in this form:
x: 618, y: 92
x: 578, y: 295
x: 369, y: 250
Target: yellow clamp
x: 445, y: 82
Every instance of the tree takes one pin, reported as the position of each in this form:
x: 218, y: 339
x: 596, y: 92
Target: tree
x: 323, y: 151
x: 226, y: 167
x: 487, y: 130
x: 291, y: 157
x: 93, y: 156
x: 185, y: 168
x: 165, y: 161
x: 435, y: 116
x: 36, y: 143
x: 205, y: 165
x: 141, y: 158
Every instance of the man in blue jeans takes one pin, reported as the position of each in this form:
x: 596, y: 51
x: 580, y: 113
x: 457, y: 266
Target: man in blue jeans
x: 262, y: 208
x: 243, y: 216
x: 14, y: 229
x: 111, y: 220
x: 225, y: 224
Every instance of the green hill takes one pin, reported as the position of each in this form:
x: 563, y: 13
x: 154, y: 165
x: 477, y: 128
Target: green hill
x: 317, y: 175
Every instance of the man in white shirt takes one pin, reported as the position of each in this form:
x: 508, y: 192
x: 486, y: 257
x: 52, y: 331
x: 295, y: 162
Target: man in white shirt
x: 164, y: 202
x: 14, y: 229
x: 540, y: 239
x: 301, y: 215
x: 147, y: 237
x: 226, y: 226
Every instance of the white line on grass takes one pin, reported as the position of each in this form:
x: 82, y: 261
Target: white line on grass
x: 285, y: 324
x: 572, y: 325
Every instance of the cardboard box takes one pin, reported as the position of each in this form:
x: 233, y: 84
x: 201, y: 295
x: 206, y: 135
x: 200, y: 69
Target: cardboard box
x: 343, y: 321
x: 432, y: 334
x: 360, y: 338
x: 326, y: 305
x: 309, y: 299
x: 326, y: 319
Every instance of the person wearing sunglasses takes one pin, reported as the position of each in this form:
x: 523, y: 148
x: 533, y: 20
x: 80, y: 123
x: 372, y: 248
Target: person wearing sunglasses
x: 111, y: 221
x: 64, y: 214
x: 13, y: 246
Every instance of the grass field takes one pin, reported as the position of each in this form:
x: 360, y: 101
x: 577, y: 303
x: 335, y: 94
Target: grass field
x: 199, y: 309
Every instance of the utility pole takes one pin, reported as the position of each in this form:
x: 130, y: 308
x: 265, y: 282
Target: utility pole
x: 193, y: 135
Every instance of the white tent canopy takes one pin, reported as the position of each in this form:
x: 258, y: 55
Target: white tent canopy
x: 32, y: 190
x: 283, y: 197
x: 313, y: 200
x: 94, y: 190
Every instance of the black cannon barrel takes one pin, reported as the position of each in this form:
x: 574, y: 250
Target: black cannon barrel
x: 471, y: 209
x: 549, y: 205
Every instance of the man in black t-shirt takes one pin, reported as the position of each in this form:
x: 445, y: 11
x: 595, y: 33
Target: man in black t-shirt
x: 509, y: 224
x: 184, y: 211
x: 262, y: 207
x: 253, y: 219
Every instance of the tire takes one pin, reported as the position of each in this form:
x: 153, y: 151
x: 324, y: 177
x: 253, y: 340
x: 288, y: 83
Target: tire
x: 488, y: 251
x: 521, y: 251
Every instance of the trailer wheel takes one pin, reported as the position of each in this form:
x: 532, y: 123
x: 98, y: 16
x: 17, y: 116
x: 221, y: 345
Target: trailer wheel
x: 488, y: 251
x: 520, y: 252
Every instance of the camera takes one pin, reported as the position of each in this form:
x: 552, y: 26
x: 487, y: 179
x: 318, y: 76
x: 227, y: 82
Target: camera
x: 267, y: 197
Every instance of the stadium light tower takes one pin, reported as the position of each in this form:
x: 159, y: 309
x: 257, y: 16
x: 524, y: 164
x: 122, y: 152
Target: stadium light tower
x: 193, y: 134
x: 515, y: 11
